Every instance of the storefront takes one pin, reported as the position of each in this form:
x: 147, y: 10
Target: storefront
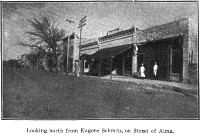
x: 167, y: 53
x: 169, y: 45
x: 115, y: 60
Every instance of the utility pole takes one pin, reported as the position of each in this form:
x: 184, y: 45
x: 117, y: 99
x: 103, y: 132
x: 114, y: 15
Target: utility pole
x: 82, y: 23
x: 68, y: 42
x: 67, y: 67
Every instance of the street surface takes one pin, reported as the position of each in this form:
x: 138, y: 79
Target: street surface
x: 37, y: 94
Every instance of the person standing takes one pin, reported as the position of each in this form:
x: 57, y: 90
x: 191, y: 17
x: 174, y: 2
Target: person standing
x: 155, y: 70
x: 142, y: 70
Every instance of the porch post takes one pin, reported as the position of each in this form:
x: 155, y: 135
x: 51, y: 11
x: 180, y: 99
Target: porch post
x: 111, y: 68
x: 123, y: 66
x: 185, y: 69
x: 100, y: 68
x: 134, y: 51
x: 90, y: 67
x: 134, y: 59
x: 84, y: 66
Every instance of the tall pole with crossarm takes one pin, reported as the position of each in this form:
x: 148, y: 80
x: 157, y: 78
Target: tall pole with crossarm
x: 68, y: 42
x: 82, y: 23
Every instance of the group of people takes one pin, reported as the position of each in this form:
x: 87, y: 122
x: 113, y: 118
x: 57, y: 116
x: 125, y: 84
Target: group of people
x: 142, y: 70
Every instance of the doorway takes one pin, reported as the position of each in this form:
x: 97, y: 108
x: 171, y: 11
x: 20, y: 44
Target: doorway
x: 168, y: 55
x: 176, y: 60
x: 157, y: 52
x: 127, y: 66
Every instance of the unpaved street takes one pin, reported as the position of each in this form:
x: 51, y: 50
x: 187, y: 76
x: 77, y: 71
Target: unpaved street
x: 34, y: 94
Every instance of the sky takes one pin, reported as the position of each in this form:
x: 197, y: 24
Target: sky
x: 101, y: 17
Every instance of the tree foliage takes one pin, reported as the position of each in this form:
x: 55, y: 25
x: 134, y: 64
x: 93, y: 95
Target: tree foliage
x: 45, y: 32
x: 44, y: 35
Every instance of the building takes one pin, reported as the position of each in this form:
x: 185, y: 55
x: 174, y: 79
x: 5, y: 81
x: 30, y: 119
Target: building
x: 71, y: 41
x: 172, y: 45
x: 88, y: 47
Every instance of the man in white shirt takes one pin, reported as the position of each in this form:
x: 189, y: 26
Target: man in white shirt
x: 142, y: 69
x: 155, y: 70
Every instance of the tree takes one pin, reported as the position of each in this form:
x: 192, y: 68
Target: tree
x: 45, y: 35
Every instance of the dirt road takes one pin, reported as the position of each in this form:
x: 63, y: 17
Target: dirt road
x: 34, y: 94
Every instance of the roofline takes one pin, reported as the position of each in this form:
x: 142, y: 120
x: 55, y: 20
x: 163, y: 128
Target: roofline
x: 165, y: 24
x: 116, y: 33
x: 130, y: 29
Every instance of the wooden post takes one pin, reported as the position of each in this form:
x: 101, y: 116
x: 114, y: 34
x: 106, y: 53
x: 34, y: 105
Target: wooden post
x: 90, y: 67
x: 100, y: 67
x: 83, y: 66
x: 111, y: 69
x: 123, y: 66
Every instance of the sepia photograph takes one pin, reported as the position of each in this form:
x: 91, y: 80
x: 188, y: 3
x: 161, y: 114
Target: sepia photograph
x: 99, y: 60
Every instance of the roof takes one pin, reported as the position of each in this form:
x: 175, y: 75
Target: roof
x: 163, y: 31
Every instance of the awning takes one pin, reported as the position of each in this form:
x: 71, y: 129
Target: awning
x: 106, y: 53
x: 109, y: 52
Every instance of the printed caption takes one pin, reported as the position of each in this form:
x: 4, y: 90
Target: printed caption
x: 95, y: 131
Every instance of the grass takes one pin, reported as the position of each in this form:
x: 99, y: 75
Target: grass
x: 34, y: 94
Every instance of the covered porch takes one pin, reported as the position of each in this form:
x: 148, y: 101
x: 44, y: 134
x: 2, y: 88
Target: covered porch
x: 109, y: 61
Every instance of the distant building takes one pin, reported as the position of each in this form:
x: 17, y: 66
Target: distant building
x: 172, y: 45
x: 73, y: 51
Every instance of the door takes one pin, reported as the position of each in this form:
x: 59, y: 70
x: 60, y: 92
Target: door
x: 163, y: 60
x: 127, y: 66
x: 176, y: 61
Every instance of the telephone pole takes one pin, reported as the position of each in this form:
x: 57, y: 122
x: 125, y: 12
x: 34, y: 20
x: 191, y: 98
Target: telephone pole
x: 68, y: 42
x: 68, y: 45
x: 82, y: 23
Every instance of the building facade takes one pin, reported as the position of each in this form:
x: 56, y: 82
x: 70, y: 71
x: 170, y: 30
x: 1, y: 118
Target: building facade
x: 172, y: 45
x: 71, y: 42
